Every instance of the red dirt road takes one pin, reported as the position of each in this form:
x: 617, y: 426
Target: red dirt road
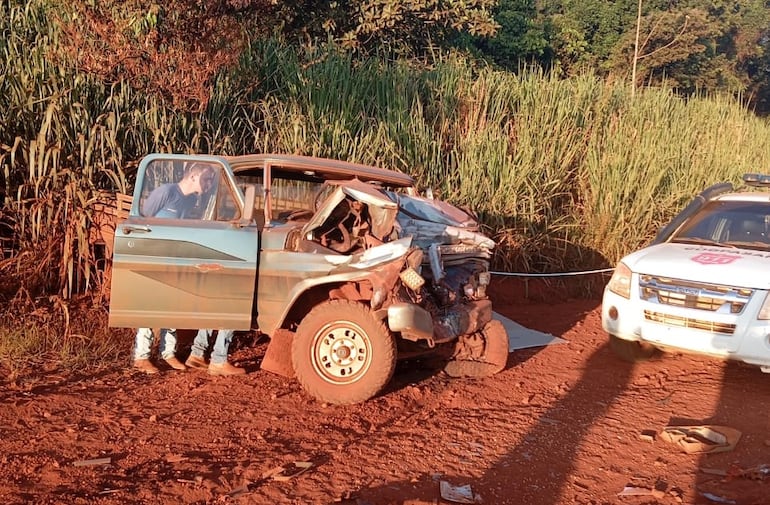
x: 562, y: 424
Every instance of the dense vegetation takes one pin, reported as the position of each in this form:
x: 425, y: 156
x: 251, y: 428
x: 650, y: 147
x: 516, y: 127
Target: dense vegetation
x: 568, y: 170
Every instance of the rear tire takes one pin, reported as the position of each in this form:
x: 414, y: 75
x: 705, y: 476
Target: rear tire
x: 342, y: 353
x: 631, y: 350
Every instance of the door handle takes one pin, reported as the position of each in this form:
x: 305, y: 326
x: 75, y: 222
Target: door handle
x: 128, y: 228
x: 209, y: 267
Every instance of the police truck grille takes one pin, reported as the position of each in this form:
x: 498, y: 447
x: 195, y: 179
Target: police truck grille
x: 693, y: 295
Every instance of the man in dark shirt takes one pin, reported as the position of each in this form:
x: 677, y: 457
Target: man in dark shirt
x: 172, y: 200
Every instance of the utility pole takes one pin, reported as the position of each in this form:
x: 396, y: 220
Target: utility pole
x: 636, y: 49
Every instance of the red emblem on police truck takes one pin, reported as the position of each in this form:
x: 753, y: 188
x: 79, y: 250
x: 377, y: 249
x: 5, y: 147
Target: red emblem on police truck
x: 714, y: 258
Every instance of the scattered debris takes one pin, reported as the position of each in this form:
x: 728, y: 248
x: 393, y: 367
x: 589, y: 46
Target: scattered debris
x: 717, y: 499
x: 520, y: 337
x: 197, y: 480
x: 292, y: 470
x: 93, y: 462
x: 702, y: 439
x: 647, y: 435
x: 175, y: 458
x: 756, y: 473
x: 641, y: 491
x: 278, y: 473
x: 458, y: 494
x: 714, y: 471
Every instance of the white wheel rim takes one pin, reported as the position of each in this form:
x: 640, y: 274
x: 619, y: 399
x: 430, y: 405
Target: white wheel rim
x: 341, y: 352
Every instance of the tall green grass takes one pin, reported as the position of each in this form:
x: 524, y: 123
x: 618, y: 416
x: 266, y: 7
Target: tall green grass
x: 565, y: 174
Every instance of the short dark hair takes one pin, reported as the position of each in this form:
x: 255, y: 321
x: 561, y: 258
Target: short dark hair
x: 198, y: 167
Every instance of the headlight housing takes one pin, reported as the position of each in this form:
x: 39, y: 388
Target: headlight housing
x: 764, y: 312
x: 620, y: 283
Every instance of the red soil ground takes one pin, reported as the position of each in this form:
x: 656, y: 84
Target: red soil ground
x: 562, y: 424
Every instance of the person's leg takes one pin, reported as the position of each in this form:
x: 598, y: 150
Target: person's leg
x: 142, y: 346
x: 167, y: 342
x: 198, y: 351
x: 143, y: 343
x: 168, y: 348
x: 221, y: 345
x: 201, y: 343
x: 219, y: 364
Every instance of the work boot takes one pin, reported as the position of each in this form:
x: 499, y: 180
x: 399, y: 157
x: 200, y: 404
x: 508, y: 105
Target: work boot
x: 175, y: 363
x: 196, y: 362
x: 145, y: 365
x: 225, y: 369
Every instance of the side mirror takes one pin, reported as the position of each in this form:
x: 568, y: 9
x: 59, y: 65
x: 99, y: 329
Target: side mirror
x: 249, y: 198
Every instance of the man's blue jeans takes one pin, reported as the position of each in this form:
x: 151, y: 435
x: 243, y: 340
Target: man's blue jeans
x: 144, y: 337
x: 221, y: 345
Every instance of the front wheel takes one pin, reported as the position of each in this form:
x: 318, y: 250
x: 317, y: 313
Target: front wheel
x: 342, y: 353
x: 631, y: 350
x: 481, y: 354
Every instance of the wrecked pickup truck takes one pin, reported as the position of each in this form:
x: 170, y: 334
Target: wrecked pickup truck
x: 342, y: 265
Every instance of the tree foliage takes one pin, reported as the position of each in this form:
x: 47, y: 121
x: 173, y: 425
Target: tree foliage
x: 691, y: 45
x: 177, y: 47
x: 174, y: 49
x: 411, y: 25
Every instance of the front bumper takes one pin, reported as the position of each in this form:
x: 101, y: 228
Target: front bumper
x: 740, y: 337
x: 416, y: 323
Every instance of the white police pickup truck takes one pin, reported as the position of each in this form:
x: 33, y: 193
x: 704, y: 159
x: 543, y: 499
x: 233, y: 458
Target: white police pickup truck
x: 703, y: 286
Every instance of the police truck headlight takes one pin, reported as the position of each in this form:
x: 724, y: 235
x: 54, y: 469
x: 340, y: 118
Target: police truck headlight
x: 620, y: 283
x: 764, y: 312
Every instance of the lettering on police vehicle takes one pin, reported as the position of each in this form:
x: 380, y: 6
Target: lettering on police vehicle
x: 737, y: 253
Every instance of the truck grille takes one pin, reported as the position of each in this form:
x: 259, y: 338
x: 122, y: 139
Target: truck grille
x: 688, y: 322
x: 693, y: 295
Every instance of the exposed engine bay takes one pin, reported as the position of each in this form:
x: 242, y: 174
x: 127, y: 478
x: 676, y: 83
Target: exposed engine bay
x: 444, y: 271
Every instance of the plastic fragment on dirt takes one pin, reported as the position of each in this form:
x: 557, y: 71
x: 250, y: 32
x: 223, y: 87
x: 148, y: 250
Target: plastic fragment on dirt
x: 278, y: 473
x: 93, y: 462
x: 641, y: 491
x: 292, y: 470
x: 714, y: 471
x: 756, y: 473
x: 458, y: 494
x: 521, y: 337
x: 718, y: 499
x: 701, y: 439
x: 647, y: 435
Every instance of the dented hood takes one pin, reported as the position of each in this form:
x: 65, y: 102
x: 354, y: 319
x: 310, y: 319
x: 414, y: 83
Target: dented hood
x: 382, y: 210
x: 428, y: 222
x: 438, y: 222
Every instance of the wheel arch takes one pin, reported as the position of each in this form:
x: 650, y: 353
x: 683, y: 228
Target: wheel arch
x: 354, y: 290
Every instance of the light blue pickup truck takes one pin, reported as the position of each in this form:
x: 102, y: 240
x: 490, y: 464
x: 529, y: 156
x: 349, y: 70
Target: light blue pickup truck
x: 342, y: 265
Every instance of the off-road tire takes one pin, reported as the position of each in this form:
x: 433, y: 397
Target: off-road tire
x: 631, y: 350
x: 494, y: 359
x: 342, y: 353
